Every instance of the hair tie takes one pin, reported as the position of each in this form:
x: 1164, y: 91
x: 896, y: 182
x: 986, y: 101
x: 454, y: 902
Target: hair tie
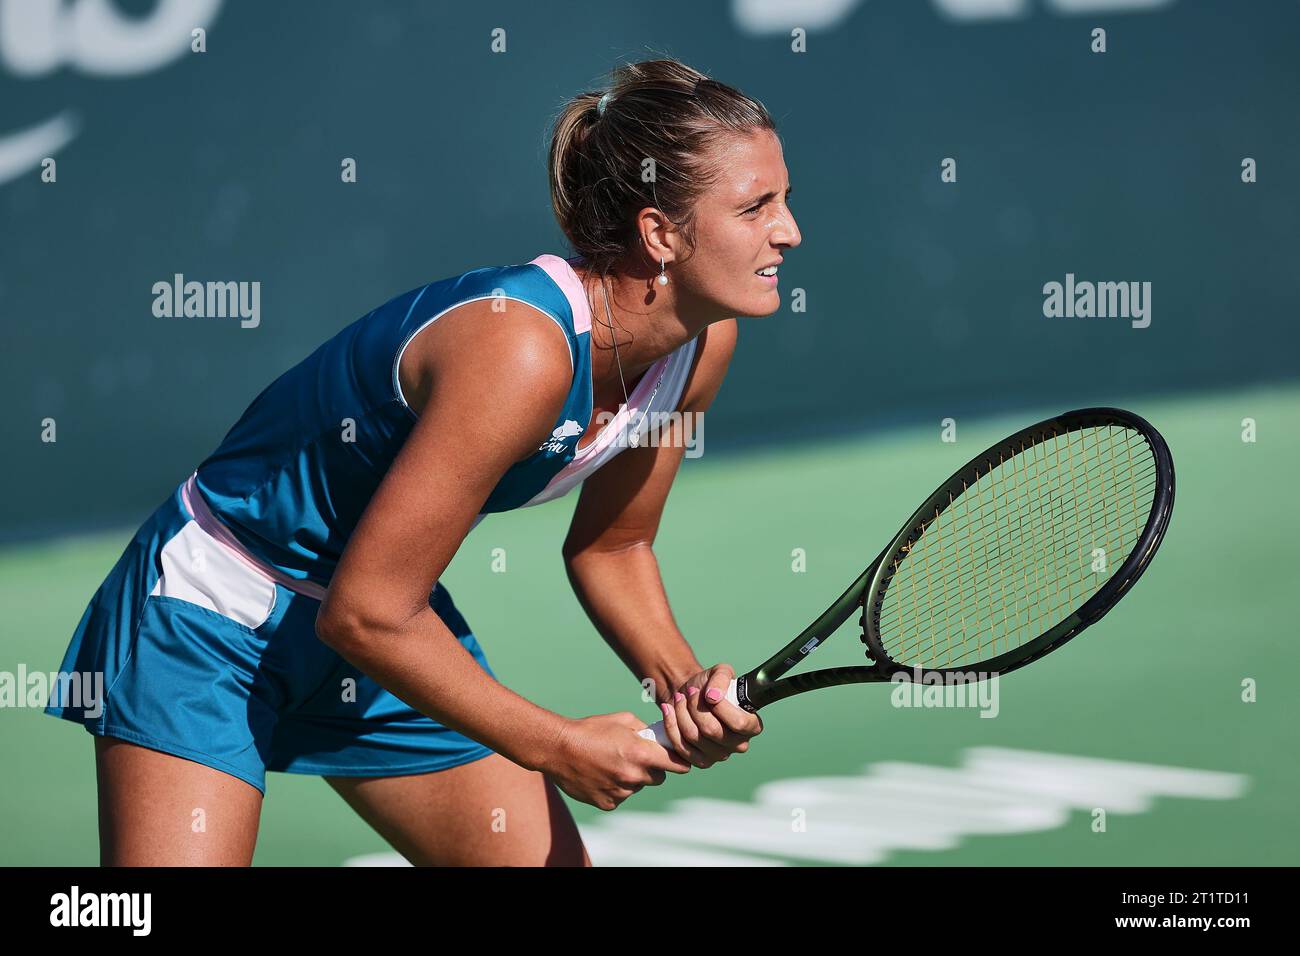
x: 600, y: 107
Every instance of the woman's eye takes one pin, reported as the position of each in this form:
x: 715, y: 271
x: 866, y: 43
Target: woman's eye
x: 752, y: 209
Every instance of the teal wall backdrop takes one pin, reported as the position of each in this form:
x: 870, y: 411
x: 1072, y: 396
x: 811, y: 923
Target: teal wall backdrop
x: 924, y: 298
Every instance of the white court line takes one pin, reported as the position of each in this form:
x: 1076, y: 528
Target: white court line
x: 891, y: 806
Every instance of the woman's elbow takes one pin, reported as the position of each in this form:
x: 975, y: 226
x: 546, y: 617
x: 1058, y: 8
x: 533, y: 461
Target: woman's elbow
x: 333, y: 627
x: 343, y: 626
x: 347, y: 624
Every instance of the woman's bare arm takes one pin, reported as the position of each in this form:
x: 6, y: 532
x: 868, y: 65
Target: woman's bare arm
x: 611, y: 562
x: 609, y: 551
x: 487, y: 387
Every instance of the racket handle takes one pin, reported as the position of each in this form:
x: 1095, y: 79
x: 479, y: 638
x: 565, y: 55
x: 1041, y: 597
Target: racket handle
x: 655, y: 731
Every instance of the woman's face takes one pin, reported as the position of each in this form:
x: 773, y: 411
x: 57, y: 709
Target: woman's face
x: 743, y: 224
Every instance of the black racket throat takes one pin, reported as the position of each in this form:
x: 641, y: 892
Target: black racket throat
x: 1007, y: 561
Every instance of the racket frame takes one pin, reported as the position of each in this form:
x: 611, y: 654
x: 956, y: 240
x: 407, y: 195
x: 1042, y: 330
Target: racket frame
x: 763, y: 685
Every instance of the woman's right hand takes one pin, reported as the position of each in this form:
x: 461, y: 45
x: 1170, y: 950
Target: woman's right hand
x: 602, y: 761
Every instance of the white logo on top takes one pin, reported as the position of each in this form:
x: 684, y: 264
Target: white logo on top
x: 560, y: 437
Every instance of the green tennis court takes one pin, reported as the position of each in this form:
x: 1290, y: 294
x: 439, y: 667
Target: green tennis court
x: 1131, y: 746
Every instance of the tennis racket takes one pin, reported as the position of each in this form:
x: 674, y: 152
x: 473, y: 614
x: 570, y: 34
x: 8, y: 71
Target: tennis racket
x: 1025, y: 546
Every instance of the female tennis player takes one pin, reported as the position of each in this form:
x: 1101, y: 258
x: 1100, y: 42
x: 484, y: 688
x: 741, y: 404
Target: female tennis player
x: 282, y: 609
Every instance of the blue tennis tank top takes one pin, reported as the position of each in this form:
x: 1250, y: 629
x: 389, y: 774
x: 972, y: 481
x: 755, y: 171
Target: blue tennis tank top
x: 293, y: 476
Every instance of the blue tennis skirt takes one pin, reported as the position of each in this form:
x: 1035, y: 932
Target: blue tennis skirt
x: 187, y: 650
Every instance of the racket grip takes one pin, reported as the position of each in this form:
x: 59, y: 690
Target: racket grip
x: 655, y: 731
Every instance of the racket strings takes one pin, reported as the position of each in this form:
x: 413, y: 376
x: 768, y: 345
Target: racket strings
x: 990, y: 542
x: 1012, y: 510
x: 1007, y: 522
x: 1011, y: 517
x: 965, y: 589
x: 1016, y: 550
x: 1008, y: 518
x: 992, y: 547
x: 990, y: 534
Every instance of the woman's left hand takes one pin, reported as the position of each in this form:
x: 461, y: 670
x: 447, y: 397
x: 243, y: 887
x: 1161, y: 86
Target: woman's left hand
x: 702, y: 725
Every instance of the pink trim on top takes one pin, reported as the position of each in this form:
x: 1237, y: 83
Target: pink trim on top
x: 563, y: 275
x: 203, y: 516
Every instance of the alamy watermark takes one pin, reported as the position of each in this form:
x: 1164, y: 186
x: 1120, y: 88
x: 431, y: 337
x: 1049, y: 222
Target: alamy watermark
x: 209, y: 300
x: 74, y: 908
x: 952, y: 689
x: 656, y: 429
x: 75, y: 690
x: 1099, y: 300
x: 662, y: 430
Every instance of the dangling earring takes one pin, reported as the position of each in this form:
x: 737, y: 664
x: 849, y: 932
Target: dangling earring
x: 663, y: 276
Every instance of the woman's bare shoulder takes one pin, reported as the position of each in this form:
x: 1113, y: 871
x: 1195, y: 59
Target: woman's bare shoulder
x: 501, y: 342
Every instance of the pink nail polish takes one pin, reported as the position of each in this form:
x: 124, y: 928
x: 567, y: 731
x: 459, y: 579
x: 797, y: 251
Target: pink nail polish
x: 714, y: 695
x: 679, y: 698
x: 692, y: 691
